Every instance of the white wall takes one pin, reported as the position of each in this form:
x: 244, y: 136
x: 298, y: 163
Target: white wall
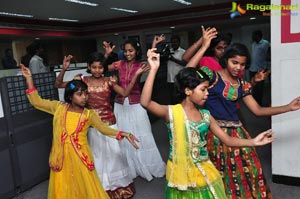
x: 285, y: 87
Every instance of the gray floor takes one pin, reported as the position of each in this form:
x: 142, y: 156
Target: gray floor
x: 155, y: 188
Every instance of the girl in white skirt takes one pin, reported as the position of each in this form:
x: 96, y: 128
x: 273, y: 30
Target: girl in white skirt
x: 131, y: 116
x: 110, y: 163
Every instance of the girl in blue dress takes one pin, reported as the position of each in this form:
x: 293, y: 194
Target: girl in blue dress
x: 240, y: 168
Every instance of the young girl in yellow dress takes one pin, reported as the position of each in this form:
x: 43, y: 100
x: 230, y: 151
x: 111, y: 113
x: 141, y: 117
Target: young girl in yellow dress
x: 190, y: 174
x: 72, y: 174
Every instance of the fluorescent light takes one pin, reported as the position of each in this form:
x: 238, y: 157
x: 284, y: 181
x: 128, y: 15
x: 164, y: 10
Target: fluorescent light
x: 15, y: 14
x: 124, y: 10
x: 172, y: 27
x: 59, y: 19
x: 252, y: 18
x: 183, y: 2
x: 83, y: 2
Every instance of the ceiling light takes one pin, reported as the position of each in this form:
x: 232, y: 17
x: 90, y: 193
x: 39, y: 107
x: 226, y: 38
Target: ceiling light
x: 68, y: 20
x: 15, y: 14
x: 83, y: 2
x: 124, y: 10
x: 172, y: 27
x: 183, y: 2
x: 252, y: 18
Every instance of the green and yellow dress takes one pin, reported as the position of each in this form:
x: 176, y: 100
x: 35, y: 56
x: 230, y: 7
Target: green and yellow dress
x: 190, y: 173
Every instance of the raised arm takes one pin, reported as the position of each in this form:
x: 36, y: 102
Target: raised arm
x: 108, y: 50
x: 126, y: 91
x: 261, y: 139
x: 150, y: 105
x: 157, y: 39
x: 207, y: 36
x: 45, y: 105
x: 27, y: 74
x: 264, y: 111
x: 59, y: 83
x: 190, y: 52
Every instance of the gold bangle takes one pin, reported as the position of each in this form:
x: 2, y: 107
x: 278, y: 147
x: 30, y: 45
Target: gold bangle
x: 26, y: 76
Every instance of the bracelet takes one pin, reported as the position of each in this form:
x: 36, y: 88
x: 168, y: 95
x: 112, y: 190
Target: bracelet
x: 27, y: 76
x: 30, y: 90
x: 119, y: 136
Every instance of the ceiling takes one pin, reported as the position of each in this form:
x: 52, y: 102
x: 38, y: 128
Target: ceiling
x: 101, y: 19
x: 42, y: 10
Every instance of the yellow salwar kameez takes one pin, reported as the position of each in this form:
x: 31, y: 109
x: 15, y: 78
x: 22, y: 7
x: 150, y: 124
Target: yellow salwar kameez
x: 72, y: 174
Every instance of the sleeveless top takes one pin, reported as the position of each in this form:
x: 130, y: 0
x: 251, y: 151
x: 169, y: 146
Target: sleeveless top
x: 125, y: 76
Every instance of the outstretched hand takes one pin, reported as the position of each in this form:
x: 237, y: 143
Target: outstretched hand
x: 67, y: 62
x: 25, y: 71
x: 132, y: 139
x: 143, y: 69
x: 157, y: 39
x: 261, y: 75
x: 264, y: 138
x: 294, y: 104
x: 153, y: 58
x: 108, y: 48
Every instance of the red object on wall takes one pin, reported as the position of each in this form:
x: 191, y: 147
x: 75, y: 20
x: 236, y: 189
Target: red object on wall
x: 286, y: 35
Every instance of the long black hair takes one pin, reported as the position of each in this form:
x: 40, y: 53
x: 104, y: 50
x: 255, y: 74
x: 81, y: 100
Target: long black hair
x: 136, y: 45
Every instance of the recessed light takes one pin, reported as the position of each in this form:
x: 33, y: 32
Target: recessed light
x: 15, y: 14
x: 183, y: 2
x: 59, y: 19
x: 124, y: 10
x: 83, y: 2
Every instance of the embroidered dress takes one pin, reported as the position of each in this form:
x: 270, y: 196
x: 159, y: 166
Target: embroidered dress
x: 110, y: 163
x: 190, y: 173
x: 240, y: 168
x: 72, y: 174
x: 132, y: 117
